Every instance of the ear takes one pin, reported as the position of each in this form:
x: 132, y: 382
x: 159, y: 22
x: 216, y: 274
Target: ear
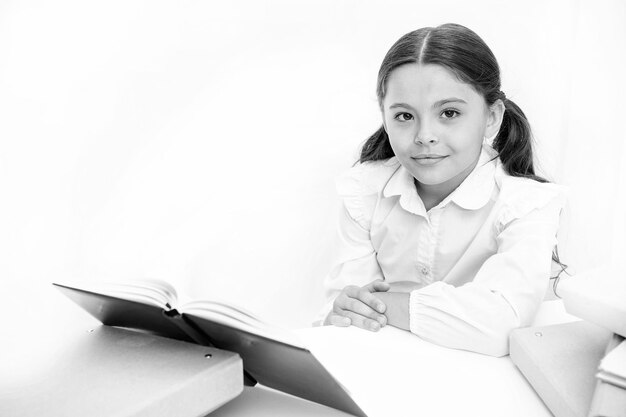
x: 495, y: 113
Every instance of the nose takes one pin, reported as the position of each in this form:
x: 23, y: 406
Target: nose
x: 425, y: 134
x: 426, y: 139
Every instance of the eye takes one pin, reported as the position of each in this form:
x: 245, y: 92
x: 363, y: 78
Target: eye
x: 403, y: 117
x: 450, y: 113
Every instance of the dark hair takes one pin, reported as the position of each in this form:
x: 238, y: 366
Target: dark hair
x: 463, y: 52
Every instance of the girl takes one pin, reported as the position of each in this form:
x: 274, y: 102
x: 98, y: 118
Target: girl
x: 445, y: 229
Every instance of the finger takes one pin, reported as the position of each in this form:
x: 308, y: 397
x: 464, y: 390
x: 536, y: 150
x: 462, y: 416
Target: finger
x: 348, y: 301
x: 370, y: 300
x: 363, y: 295
x: 358, y: 307
x: 341, y: 321
x: 378, y: 285
x: 362, y: 321
x: 381, y: 286
x: 342, y: 301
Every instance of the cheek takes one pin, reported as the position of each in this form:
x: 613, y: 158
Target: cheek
x: 400, y: 140
x: 468, y: 137
x: 397, y: 136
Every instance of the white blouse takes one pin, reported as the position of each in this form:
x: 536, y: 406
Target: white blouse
x: 482, y: 257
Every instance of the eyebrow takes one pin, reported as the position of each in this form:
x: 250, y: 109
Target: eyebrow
x: 436, y: 104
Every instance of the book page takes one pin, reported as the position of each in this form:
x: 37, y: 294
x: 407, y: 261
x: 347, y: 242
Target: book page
x: 237, y: 317
x: 146, y: 291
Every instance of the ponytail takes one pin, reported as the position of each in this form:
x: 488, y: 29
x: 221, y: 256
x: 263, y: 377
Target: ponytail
x: 377, y: 147
x: 514, y: 143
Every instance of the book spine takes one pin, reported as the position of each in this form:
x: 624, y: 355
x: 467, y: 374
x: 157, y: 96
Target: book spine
x: 201, y: 338
x: 189, y: 328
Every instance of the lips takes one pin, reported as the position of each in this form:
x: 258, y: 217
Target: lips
x: 429, y: 159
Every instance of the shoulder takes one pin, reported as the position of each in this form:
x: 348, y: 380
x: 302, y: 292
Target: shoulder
x: 366, y: 178
x: 361, y: 187
x: 518, y: 197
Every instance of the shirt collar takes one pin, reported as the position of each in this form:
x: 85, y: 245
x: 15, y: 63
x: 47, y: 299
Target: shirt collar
x: 473, y: 193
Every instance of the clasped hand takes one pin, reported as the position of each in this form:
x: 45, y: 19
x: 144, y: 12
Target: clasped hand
x: 359, y: 306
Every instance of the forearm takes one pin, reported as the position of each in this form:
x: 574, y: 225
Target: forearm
x: 397, y: 308
x: 471, y: 317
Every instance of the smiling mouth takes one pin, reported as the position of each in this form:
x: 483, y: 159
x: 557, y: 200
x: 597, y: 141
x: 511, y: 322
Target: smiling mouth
x: 429, y: 159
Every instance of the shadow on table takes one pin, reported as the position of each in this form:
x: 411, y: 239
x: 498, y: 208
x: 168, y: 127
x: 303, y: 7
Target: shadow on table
x: 262, y: 401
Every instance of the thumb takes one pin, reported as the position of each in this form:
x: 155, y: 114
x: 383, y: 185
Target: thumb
x: 379, y: 285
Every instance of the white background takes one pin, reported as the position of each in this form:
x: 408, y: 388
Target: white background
x: 197, y: 141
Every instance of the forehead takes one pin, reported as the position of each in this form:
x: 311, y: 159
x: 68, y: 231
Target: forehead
x: 418, y: 85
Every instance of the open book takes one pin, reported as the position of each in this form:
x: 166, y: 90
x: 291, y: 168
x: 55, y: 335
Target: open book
x: 271, y: 356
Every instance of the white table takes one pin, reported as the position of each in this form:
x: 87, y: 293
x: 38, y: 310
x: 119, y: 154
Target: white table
x: 394, y: 373
x: 389, y: 373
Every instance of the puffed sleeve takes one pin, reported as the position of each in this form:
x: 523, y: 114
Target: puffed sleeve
x: 511, y: 284
x: 354, y: 260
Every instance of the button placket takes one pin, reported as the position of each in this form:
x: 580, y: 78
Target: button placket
x: 426, y: 266
x: 422, y: 250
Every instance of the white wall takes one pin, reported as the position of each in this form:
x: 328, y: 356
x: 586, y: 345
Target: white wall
x: 197, y: 141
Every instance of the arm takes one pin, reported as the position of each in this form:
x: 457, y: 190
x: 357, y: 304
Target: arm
x: 355, y: 275
x: 396, y: 301
x: 397, y: 308
x: 504, y: 294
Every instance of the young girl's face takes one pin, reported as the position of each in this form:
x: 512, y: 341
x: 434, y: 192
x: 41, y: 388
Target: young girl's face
x: 436, y: 124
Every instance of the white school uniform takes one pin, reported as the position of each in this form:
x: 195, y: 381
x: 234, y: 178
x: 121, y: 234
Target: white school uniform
x: 482, y: 256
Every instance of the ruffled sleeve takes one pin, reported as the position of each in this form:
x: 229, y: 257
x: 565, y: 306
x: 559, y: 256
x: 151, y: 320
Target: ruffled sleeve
x: 510, y: 285
x: 521, y: 196
x: 354, y: 260
x: 360, y: 187
x: 350, y: 188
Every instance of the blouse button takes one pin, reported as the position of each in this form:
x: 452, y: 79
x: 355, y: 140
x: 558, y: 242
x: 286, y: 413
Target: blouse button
x: 424, y: 270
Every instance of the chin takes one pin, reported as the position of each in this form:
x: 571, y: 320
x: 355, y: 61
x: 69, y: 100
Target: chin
x: 431, y: 182
x: 429, y: 175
